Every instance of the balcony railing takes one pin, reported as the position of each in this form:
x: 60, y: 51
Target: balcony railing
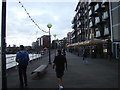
x: 106, y: 30
x: 105, y: 15
x: 86, y: 11
x: 99, y: 7
x: 97, y: 34
x: 97, y: 20
x: 96, y: 7
x: 90, y: 12
x: 90, y: 24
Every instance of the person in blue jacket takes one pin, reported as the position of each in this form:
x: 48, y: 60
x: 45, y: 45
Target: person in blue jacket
x: 22, y: 57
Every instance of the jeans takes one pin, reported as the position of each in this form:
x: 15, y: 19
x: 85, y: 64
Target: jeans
x: 22, y: 75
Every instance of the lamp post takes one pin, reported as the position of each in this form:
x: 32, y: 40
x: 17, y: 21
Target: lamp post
x: 49, y: 26
x: 3, y: 46
x: 55, y: 43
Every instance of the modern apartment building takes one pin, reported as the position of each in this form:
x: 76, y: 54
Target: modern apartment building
x: 41, y: 42
x: 97, y: 21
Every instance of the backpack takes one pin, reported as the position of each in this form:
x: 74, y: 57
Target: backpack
x: 23, y: 58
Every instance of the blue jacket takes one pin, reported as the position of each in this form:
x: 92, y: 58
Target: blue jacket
x: 22, y: 58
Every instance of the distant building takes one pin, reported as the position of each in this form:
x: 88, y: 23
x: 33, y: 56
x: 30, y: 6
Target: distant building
x: 45, y: 41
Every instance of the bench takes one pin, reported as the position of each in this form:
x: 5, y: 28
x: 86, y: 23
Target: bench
x: 40, y: 69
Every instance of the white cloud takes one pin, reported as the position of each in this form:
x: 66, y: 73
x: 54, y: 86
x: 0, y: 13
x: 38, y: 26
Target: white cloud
x: 21, y: 30
x: 56, y: 18
x: 17, y: 12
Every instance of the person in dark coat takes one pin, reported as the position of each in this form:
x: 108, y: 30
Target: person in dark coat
x: 22, y: 58
x: 64, y: 52
x: 59, y: 64
x: 85, y: 54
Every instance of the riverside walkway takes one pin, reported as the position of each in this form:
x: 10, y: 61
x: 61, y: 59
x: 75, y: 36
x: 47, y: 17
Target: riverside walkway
x: 99, y: 73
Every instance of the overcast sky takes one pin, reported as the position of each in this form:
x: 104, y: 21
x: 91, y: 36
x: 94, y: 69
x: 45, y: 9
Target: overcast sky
x: 21, y: 30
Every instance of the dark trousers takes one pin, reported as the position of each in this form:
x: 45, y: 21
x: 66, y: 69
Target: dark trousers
x: 22, y: 75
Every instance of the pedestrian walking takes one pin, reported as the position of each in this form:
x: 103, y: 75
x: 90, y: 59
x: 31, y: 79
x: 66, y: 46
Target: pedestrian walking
x: 110, y: 55
x: 22, y: 58
x: 59, y: 64
x: 85, y: 53
x: 64, y: 52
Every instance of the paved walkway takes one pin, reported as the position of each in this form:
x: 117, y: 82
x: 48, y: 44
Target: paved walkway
x: 99, y: 73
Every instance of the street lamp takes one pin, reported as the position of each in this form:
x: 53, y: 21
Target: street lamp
x: 49, y: 26
x: 55, y: 43
x: 3, y: 47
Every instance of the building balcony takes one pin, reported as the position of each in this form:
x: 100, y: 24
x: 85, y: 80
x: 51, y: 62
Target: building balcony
x: 105, y: 2
x: 74, y: 20
x: 86, y: 20
x: 92, y: 2
x: 86, y: 15
x: 90, y: 24
x: 90, y: 13
x: 81, y: 8
x: 74, y: 25
x: 102, y: 8
x: 86, y: 11
x: 97, y: 34
x: 79, y: 32
x: 80, y: 26
x: 106, y: 30
x: 99, y: 8
x: 81, y: 16
x: 80, y: 23
x: 89, y: 7
x: 105, y: 16
x: 97, y: 20
x: 94, y: 14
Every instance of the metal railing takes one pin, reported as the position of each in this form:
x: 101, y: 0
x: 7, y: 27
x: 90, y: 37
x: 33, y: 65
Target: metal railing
x: 10, y: 61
